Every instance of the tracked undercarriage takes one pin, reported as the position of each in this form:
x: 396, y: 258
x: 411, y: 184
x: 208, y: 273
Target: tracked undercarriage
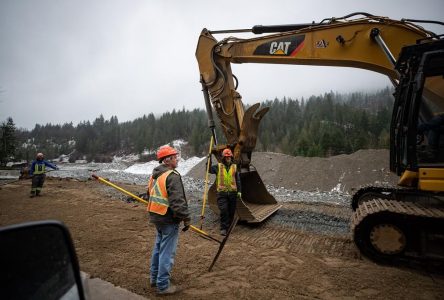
x: 389, y: 228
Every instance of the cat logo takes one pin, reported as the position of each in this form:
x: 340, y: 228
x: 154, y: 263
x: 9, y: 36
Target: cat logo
x: 284, y: 46
x: 321, y: 44
x: 279, y: 48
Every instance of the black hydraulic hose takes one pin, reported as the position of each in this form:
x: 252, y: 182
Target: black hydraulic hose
x: 237, y: 81
x: 422, y: 21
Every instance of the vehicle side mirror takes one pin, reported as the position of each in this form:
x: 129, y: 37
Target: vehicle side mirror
x: 38, y: 261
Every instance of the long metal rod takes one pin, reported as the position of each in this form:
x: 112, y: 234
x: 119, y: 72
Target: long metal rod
x: 203, y: 233
x: 375, y: 34
x: 193, y: 228
x: 209, y: 110
x: 229, y: 31
x: 15, y: 180
x: 204, y: 201
x: 222, y: 244
x: 119, y: 188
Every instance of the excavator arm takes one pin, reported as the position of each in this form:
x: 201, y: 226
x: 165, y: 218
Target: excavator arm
x: 370, y: 43
x: 358, y: 40
x: 389, y: 224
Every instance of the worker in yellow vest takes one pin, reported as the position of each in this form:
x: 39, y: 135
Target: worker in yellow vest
x: 228, y: 189
x: 167, y: 207
x: 37, y: 172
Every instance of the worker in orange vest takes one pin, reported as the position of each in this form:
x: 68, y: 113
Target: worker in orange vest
x: 167, y: 207
x: 228, y: 189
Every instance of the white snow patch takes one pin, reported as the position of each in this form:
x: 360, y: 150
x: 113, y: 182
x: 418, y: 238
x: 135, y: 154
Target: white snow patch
x: 147, y: 152
x: 126, y: 158
x: 184, y: 166
x: 142, y: 169
x: 179, y: 143
x: 338, y: 188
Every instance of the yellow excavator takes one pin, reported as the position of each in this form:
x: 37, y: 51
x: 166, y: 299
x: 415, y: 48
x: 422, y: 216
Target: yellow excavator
x: 390, y: 224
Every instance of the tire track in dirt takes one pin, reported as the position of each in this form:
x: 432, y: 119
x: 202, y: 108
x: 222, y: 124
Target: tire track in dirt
x: 295, y: 241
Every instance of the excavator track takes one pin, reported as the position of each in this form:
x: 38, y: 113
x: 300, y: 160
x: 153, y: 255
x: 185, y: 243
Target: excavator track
x: 397, y: 232
x: 369, y: 192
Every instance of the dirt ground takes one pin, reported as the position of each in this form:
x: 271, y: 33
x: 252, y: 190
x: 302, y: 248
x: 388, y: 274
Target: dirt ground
x: 113, y: 241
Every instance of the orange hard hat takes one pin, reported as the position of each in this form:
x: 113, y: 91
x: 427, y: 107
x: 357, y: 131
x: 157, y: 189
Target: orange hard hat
x: 165, y: 151
x: 227, y: 152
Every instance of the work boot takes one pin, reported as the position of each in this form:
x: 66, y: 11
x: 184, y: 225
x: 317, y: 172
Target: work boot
x: 171, y: 289
x: 223, y: 232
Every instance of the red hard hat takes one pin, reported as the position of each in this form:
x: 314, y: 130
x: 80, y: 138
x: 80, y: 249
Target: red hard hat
x: 227, y: 152
x: 165, y: 151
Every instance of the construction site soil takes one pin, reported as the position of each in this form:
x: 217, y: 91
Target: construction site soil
x: 304, y: 251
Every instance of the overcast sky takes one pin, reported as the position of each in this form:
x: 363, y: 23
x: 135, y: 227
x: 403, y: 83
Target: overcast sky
x: 63, y: 61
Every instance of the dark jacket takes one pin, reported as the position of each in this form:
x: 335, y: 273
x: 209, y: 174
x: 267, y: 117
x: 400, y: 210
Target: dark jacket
x: 40, y: 162
x: 214, y: 169
x: 178, y: 206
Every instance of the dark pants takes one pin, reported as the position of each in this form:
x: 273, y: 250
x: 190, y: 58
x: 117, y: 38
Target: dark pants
x: 37, y: 184
x: 226, y: 201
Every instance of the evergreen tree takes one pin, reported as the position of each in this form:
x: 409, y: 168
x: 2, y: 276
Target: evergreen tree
x: 322, y: 125
x: 7, y: 141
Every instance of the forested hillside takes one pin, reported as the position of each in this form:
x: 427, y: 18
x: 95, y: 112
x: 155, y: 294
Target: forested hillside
x: 322, y: 125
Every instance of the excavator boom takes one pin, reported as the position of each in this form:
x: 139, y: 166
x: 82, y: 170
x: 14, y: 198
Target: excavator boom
x: 367, y: 42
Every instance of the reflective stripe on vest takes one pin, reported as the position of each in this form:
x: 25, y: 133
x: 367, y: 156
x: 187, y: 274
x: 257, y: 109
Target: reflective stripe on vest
x: 39, y: 169
x: 158, y: 202
x: 226, y: 180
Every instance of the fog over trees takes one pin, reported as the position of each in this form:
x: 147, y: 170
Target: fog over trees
x: 323, y: 125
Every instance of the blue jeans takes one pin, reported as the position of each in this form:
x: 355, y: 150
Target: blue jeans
x: 164, y: 251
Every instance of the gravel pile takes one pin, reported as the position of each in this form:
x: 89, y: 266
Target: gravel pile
x: 293, y: 181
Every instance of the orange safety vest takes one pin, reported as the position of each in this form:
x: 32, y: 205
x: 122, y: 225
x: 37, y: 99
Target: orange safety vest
x: 158, y: 202
x: 226, y: 180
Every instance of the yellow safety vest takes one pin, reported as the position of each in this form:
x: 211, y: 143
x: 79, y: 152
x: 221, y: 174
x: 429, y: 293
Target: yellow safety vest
x: 158, y: 202
x: 226, y: 180
x: 39, y: 169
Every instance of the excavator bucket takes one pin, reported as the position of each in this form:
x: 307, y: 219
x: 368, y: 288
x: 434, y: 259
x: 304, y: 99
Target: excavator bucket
x: 256, y: 205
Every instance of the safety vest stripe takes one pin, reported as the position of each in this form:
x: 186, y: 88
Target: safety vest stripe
x: 39, y: 169
x: 160, y: 200
x: 157, y: 208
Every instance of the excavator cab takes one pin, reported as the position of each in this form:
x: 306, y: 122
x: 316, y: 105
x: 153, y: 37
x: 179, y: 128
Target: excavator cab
x: 417, y: 145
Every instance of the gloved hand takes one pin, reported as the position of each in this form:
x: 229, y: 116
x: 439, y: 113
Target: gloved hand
x: 239, y: 195
x: 186, y: 224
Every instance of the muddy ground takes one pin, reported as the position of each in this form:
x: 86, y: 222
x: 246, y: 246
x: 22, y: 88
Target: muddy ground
x: 303, y: 252
x: 277, y: 260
